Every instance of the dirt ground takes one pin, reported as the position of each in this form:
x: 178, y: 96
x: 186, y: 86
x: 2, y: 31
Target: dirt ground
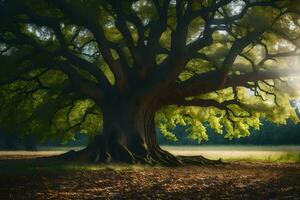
x: 239, y: 180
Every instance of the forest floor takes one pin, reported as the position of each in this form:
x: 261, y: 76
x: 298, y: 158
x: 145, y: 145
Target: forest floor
x: 30, y: 179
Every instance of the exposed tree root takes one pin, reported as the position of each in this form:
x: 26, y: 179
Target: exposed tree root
x: 157, y: 156
x: 199, y: 160
x: 72, y: 155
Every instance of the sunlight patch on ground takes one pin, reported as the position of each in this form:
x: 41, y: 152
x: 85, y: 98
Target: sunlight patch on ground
x: 240, y: 153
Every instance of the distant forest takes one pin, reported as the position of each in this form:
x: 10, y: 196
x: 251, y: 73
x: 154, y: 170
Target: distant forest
x: 269, y: 134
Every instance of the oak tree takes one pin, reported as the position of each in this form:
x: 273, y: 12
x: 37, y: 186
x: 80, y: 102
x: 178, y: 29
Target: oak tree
x: 116, y: 70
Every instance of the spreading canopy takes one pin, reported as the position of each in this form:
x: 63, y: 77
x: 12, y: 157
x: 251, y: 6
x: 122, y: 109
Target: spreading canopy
x: 224, y: 64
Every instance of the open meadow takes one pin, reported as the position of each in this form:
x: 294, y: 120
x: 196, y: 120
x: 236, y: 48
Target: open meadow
x: 283, y: 153
x: 251, y: 172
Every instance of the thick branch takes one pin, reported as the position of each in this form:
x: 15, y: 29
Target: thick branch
x: 85, y: 87
x: 236, y: 48
x: 94, y: 26
x: 208, y: 82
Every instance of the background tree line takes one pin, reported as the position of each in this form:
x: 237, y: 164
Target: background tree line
x: 269, y: 134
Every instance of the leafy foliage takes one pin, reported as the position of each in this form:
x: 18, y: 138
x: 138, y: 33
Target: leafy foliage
x: 59, y: 59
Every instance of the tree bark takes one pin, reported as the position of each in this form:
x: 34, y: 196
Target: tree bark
x: 129, y: 136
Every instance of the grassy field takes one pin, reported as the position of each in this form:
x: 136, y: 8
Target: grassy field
x: 265, y: 154
x: 241, y: 153
x: 225, y: 152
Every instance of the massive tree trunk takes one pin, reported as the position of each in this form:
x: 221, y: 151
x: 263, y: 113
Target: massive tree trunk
x: 129, y: 133
x: 129, y: 136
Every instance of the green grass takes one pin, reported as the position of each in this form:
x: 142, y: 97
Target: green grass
x: 279, y: 154
x: 291, y: 157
